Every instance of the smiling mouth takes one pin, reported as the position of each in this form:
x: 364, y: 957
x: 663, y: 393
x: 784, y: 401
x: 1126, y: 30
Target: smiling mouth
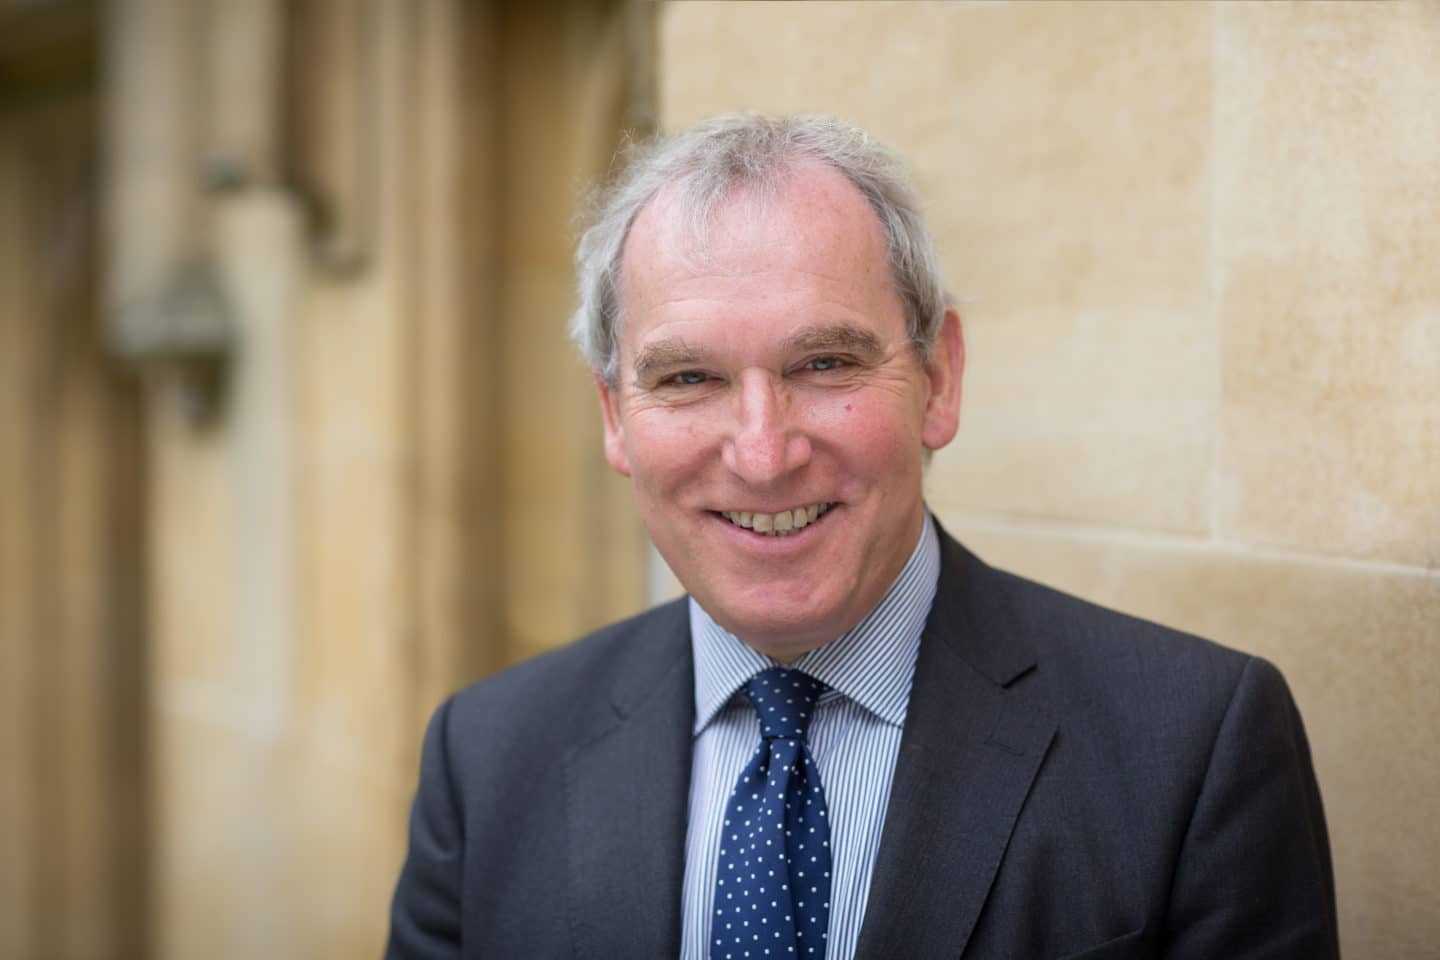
x: 781, y: 524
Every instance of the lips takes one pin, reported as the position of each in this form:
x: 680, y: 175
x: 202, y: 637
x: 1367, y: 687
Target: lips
x: 780, y: 524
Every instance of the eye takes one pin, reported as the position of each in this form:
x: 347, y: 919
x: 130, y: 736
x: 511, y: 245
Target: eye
x: 687, y: 378
x: 824, y: 363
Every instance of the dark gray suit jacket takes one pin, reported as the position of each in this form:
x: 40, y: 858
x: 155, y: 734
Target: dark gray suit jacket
x: 1071, y: 783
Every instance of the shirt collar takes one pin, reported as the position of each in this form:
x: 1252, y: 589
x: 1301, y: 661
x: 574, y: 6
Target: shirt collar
x: 872, y: 663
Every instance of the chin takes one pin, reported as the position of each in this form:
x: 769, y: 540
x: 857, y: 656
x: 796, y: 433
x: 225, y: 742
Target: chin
x: 793, y: 632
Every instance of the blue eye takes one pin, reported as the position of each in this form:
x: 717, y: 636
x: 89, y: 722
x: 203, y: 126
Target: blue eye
x: 825, y: 363
x: 688, y: 378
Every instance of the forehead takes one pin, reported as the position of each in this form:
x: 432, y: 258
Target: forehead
x: 810, y: 243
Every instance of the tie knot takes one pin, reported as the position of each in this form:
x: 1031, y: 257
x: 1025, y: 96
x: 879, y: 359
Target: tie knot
x: 785, y: 700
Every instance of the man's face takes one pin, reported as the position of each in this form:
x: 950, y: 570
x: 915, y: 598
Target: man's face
x: 768, y: 378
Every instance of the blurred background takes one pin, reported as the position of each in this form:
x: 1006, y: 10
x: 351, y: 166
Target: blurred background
x: 292, y: 443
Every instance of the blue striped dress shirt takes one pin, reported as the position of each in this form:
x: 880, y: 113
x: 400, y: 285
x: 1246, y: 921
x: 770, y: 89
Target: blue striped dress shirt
x: 854, y: 739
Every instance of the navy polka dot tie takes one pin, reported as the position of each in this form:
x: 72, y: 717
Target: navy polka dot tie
x: 772, y: 884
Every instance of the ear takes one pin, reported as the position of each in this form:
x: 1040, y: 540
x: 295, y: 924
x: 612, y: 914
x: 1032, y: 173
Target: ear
x: 945, y: 370
x: 614, y: 430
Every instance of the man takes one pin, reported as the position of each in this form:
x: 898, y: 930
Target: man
x: 853, y: 738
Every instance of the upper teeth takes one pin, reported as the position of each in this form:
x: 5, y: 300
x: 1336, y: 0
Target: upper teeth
x: 780, y: 524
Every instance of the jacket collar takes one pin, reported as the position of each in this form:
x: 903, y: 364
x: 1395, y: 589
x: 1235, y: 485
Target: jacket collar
x: 974, y: 739
x: 626, y: 793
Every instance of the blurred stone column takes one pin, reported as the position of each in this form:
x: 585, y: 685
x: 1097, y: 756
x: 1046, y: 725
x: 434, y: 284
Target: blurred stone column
x: 207, y: 270
x: 72, y: 816
x: 376, y: 471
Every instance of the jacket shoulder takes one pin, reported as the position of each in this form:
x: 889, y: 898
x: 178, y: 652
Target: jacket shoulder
x: 1081, y: 652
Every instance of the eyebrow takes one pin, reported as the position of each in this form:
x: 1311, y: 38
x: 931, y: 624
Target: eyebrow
x: 834, y: 336
x: 673, y: 352
x: 662, y: 355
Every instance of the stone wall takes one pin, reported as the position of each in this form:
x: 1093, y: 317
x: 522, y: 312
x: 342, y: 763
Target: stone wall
x: 1196, y: 247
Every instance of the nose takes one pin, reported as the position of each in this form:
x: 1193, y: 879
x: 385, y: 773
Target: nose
x: 765, y: 443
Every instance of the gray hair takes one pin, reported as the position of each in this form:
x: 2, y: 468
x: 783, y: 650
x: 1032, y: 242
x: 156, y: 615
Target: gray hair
x: 706, y: 164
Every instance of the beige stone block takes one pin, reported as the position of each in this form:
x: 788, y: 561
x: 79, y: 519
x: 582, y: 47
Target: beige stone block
x: 357, y: 578
x: 190, y: 588
x: 349, y: 817
x: 1063, y: 151
x: 1357, y: 643
x: 1099, y: 414
x: 356, y: 471
x: 350, y: 370
x: 1328, y: 220
x: 825, y: 56
x: 214, y: 871
x: 276, y: 845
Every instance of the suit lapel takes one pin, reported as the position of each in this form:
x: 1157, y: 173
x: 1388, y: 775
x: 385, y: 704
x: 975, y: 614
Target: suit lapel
x: 626, y: 798
x: 972, y: 745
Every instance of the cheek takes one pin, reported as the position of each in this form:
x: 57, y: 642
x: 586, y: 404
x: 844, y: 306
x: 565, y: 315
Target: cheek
x: 661, y: 446
x: 880, y: 423
x: 883, y: 442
